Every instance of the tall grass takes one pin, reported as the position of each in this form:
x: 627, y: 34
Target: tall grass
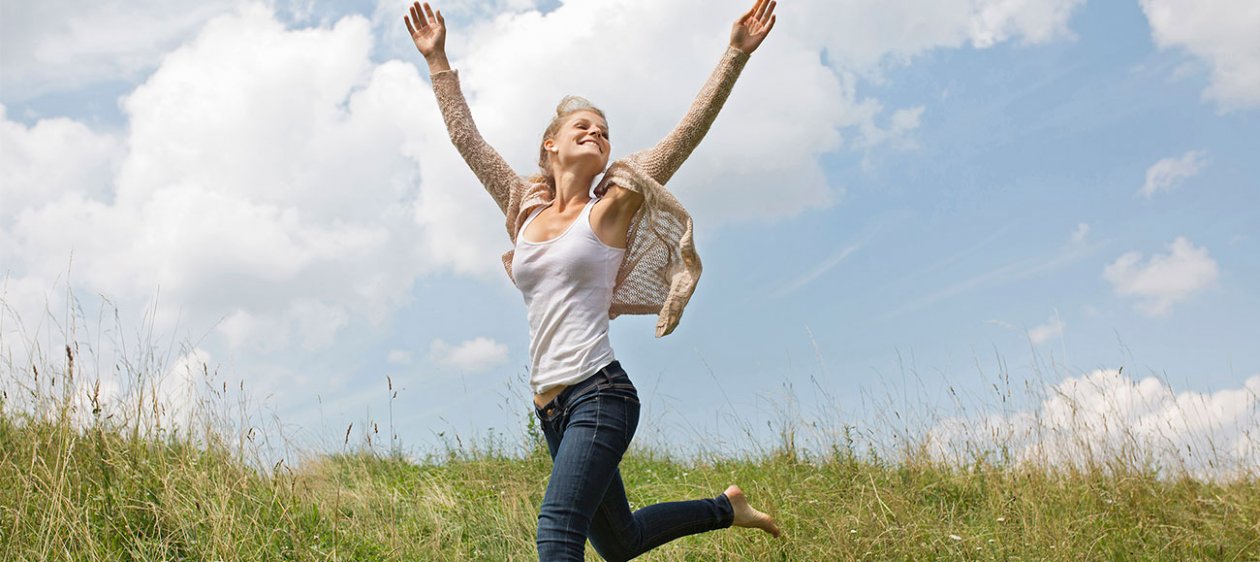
x: 154, y: 476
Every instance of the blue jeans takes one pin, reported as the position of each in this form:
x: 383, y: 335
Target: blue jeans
x: 588, y: 427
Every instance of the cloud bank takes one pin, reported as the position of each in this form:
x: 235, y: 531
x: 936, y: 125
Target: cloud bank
x: 1104, y: 417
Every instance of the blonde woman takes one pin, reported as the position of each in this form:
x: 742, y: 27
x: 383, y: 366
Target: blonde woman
x: 590, y: 242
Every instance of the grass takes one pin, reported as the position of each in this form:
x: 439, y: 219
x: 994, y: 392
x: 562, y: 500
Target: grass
x: 96, y: 495
x: 81, y: 479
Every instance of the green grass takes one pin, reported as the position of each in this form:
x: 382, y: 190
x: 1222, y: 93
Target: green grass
x: 81, y: 479
x: 95, y: 493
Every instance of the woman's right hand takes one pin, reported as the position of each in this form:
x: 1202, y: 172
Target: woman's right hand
x: 428, y: 31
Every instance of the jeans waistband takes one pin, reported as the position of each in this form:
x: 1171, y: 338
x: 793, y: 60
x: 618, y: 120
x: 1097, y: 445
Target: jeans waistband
x: 588, y: 384
x: 571, y: 393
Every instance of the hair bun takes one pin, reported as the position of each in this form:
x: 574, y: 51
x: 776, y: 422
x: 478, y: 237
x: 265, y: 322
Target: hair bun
x: 573, y: 103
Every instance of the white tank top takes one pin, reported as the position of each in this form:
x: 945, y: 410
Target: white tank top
x: 567, y: 283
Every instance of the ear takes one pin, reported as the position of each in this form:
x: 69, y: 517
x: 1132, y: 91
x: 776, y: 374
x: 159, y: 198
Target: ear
x: 549, y: 145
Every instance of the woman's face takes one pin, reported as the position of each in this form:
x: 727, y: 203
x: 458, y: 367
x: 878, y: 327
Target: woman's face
x: 581, y: 141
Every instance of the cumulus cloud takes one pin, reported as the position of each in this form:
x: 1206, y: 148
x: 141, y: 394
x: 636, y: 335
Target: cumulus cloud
x: 51, y: 159
x: 1105, y: 416
x: 1221, y: 33
x: 1167, y: 174
x: 1053, y: 328
x: 1164, y: 279
x: 176, y: 397
x: 270, y: 185
x: 473, y: 355
x: 516, y: 67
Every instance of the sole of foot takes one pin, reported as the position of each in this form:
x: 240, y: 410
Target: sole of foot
x: 747, y: 516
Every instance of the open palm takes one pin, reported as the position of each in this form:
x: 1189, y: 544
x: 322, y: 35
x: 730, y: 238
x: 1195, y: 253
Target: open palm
x: 427, y: 28
x: 752, y: 27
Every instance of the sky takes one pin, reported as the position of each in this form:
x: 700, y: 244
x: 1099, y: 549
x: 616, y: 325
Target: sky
x: 914, y: 215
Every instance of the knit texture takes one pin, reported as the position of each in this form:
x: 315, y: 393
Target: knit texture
x: 661, y: 267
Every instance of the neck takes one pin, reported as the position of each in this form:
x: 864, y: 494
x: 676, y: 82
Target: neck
x: 572, y: 188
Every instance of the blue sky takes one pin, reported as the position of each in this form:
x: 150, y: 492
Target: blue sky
x: 900, y: 203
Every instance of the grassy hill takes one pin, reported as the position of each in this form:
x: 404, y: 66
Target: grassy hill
x: 107, y: 491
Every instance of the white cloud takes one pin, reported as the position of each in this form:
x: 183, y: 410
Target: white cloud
x: 51, y: 159
x: 178, y: 394
x: 516, y: 66
x: 1167, y: 174
x: 1222, y: 33
x: 1105, y: 416
x: 861, y: 35
x: 178, y: 397
x: 57, y: 45
x: 1053, y: 328
x: 1165, y: 279
x: 270, y: 181
x: 473, y: 355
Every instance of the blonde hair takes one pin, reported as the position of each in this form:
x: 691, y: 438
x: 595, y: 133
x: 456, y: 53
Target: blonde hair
x: 567, y: 106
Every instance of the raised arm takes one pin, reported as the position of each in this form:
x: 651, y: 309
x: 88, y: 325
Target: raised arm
x: 664, y: 159
x: 428, y: 31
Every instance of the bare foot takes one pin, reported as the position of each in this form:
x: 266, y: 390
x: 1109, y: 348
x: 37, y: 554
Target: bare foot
x: 746, y: 516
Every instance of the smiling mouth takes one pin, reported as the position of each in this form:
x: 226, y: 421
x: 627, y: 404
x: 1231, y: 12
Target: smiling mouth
x: 597, y: 146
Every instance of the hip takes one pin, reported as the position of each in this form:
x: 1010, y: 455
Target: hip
x: 612, y: 378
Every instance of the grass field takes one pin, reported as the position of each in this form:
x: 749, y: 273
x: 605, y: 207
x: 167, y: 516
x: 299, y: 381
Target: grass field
x: 77, y: 483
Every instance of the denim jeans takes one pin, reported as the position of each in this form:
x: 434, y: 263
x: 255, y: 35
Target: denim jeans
x: 588, y: 427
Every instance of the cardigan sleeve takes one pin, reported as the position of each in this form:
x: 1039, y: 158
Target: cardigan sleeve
x: 491, y: 169
x: 663, y: 160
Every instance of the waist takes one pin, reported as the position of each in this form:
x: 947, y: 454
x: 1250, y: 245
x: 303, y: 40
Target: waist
x: 565, y: 394
x: 567, y: 354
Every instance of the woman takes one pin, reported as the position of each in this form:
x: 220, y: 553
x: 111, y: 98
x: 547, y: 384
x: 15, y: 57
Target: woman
x: 580, y: 257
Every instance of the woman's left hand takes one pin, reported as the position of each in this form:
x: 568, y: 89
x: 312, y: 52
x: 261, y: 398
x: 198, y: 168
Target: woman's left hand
x: 752, y: 27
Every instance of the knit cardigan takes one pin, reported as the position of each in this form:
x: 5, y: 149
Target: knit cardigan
x: 659, y: 272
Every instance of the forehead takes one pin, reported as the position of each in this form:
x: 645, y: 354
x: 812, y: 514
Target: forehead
x: 587, y: 115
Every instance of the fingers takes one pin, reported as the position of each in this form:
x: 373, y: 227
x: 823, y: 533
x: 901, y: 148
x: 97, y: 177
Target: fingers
x: 771, y: 26
x: 416, y: 18
x: 768, y: 12
x: 440, y: 19
x: 411, y: 30
x: 761, y: 9
x: 428, y: 12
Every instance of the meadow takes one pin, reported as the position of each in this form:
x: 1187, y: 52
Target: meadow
x: 86, y: 478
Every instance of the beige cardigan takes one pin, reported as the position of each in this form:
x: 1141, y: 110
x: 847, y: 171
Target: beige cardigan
x: 661, y: 267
